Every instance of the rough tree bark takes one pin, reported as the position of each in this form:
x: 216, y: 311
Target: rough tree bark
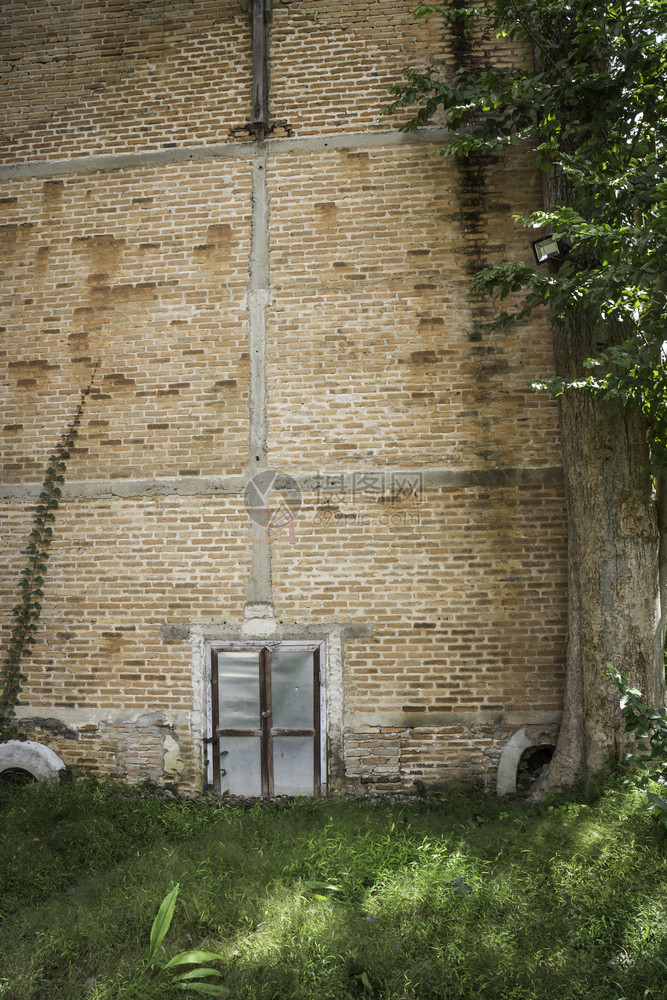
x: 616, y: 548
x: 616, y: 596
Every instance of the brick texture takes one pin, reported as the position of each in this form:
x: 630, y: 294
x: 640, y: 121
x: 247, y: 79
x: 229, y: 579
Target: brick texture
x: 109, y: 76
x: 466, y: 590
x: 145, y: 271
x: 375, y: 353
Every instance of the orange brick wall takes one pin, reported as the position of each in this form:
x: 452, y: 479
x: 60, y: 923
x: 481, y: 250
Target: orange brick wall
x: 145, y: 269
x: 113, y: 77
x: 375, y: 358
x: 448, y: 582
x: 299, y: 302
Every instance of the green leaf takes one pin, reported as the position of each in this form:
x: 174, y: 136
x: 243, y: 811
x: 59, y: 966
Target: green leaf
x: 162, y: 921
x: 190, y: 957
x: 196, y: 974
x: 210, y: 989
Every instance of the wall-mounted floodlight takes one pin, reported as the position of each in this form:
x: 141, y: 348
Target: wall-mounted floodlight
x: 547, y: 248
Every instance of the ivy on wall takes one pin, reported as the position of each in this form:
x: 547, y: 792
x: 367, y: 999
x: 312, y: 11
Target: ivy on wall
x: 26, y: 613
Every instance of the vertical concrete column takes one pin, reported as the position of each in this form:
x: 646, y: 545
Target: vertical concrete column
x: 258, y: 589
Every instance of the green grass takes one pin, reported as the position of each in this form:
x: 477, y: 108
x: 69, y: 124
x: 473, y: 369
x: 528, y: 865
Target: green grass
x: 329, y: 900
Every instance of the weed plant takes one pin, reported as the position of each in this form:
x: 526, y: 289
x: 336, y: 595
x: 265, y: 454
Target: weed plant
x: 456, y: 899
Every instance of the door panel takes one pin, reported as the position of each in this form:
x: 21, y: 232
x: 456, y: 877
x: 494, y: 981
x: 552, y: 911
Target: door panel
x: 292, y: 688
x: 293, y: 765
x: 266, y: 720
x: 238, y: 699
x: 241, y: 764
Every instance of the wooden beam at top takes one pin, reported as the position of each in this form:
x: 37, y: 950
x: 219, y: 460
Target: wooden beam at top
x: 246, y: 7
x: 259, y: 65
x: 261, y: 16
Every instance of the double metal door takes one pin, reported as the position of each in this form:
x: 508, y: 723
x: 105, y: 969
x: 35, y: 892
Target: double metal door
x: 266, y: 720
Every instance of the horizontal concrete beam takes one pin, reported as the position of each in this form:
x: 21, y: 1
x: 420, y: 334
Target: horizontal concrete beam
x: 102, y: 489
x: 75, y: 718
x: 219, y: 151
x: 473, y: 719
x: 230, y: 631
x: 343, y: 482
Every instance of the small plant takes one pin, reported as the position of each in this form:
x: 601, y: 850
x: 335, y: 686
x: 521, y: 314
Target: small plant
x: 208, y: 741
x: 26, y: 613
x: 648, y: 750
x: 190, y: 980
x: 421, y: 787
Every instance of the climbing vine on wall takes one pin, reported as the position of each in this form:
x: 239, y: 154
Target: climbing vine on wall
x: 25, y: 614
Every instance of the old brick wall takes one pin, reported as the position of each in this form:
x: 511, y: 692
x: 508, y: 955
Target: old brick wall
x: 142, y: 268
x: 299, y: 302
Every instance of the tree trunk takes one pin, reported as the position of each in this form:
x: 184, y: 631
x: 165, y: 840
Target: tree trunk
x: 615, y: 603
x: 616, y: 550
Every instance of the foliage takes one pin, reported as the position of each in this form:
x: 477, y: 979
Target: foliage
x: 595, y: 112
x: 192, y: 979
x: 27, y: 612
x: 647, y: 752
x: 456, y: 896
x: 54, y: 837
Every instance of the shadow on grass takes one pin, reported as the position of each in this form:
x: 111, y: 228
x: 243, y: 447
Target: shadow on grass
x: 327, y: 899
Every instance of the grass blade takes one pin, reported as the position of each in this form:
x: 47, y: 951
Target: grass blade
x: 315, y: 884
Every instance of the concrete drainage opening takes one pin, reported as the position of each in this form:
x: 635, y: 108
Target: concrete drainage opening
x: 25, y: 760
x: 15, y: 777
x: 525, y: 758
x: 533, y: 763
